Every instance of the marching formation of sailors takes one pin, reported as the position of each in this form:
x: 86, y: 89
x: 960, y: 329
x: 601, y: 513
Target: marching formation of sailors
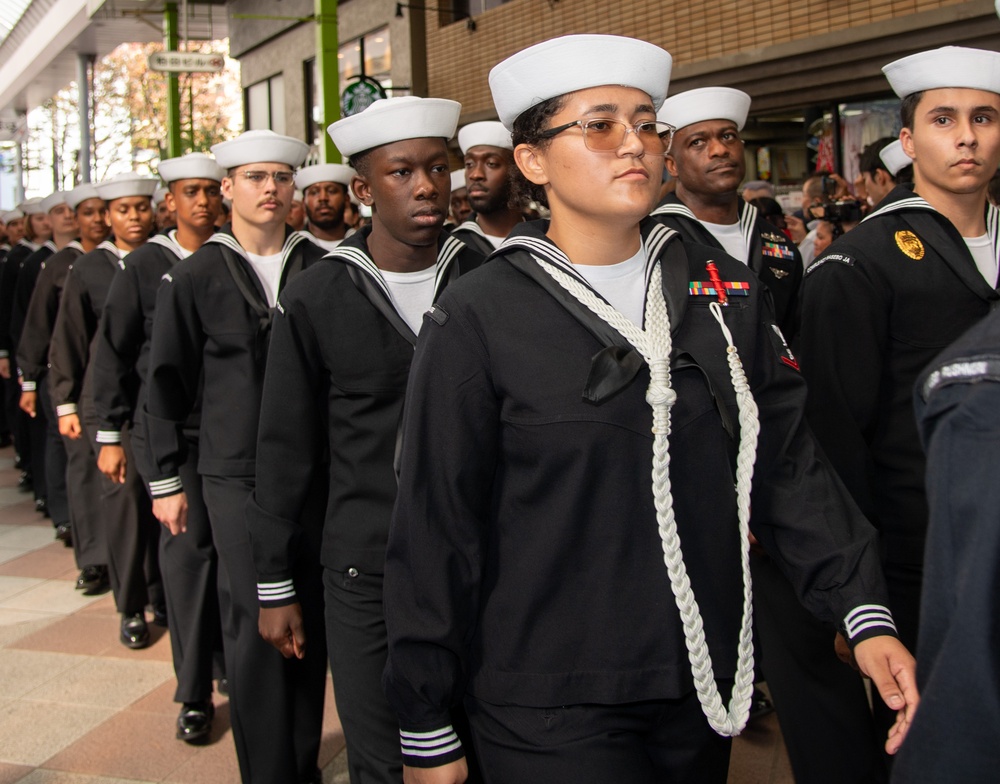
x: 415, y: 448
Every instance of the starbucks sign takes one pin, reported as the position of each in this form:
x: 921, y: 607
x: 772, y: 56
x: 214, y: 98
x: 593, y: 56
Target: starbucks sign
x: 359, y: 95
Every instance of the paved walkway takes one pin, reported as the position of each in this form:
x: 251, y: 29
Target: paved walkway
x: 77, y: 707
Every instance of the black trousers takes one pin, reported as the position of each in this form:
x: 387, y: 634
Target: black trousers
x: 85, y: 491
x: 821, y: 702
x: 190, y: 573
x: 655, y: 742
x: 55, y: 459
x: 132, y: 538
x: 356, y: 639
x: 17, y: 420
x: 36, y: 432
x: 275, y: 704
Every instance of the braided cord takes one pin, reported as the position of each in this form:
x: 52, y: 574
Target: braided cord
x: 655, y: 346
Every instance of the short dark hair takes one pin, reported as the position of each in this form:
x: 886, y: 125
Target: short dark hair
x: 908, y: 108
x: 361, y: 162
x: 869, y: 161
x: 528, y: 128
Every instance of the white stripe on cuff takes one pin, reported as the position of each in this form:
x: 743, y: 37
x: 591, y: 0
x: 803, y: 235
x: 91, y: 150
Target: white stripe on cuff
x: 273, y: 592
x: 162, y: 487
x: 429, y: 744
x: 66, y: 409
x: 28, y: 386
x: 867, y: 616
x: 108, y: 437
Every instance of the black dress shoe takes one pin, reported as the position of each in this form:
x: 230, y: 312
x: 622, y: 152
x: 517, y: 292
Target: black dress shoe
x: 18, y: 461
x: 160, y: 615
x: 24, y: 482
x: 93, y: 580
x: 5, y: 440
x: 223, y: 687
x: 64, y: 534
x: 42, y: 507
x: 135, y: 632
x: 195, y: 721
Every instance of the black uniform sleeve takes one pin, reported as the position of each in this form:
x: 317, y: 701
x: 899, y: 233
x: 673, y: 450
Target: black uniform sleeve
x: 120, y: 337
x: 175, y: 362
x: 434, y: 556
x: 69, y: 351
x: 803, y: 515
x: 8, y: 282
x: 26, y: 280
x: 843, y: 328
x: 33, y: 349
x: 289, y: 450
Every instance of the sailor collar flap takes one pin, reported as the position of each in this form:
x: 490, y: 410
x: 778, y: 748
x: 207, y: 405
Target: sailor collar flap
x: 368, y: 278
x: 614, y: 367
x: 942, y: 235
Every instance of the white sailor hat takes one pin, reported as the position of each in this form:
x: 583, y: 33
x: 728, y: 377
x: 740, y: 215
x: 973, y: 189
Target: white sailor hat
x: 193, y: 166
x: 260, y: 147
x: 31, y: 206
x: 489, y: 133
x: 11, y: 215
x: 894, y: 157
x: 80, y: 194
x: 458, y: 180
x: 298, y: 195
x: 53, y: 200
x: 393, y: 120
x: 324, y: 172
x: 576, y: 62
x: 949, y: 66
x: 128, y: 184
x: 160, y: 194
x: 705, y: 103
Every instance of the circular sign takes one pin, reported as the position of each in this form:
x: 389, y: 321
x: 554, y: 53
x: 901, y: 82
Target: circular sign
x: 359, y: 95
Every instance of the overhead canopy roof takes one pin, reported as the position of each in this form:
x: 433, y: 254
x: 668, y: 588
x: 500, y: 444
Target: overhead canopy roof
x: 39, y: 55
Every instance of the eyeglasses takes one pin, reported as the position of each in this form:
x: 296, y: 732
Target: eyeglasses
x: 259, y: 178
x: 606, y: 135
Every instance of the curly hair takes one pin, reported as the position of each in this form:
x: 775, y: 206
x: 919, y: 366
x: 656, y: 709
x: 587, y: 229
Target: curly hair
x: 527, y: 129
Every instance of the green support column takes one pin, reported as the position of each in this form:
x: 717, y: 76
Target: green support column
x: 327, y: 74
x: 171, y: 42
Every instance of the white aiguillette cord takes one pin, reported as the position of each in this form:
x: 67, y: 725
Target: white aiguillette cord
x: 654, y: 343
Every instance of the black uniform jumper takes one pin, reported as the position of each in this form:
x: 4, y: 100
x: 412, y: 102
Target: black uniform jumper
x: 822, y: 705
x: 333, y: 397
x: 188, y: 561
x: 130, y: 529
x: 773, y: 257
x: 472, y: 234
x: 878, y: 306
x: 954, y: 734
x: 524, y: 566
x: 38, y: 428
x: 210, y: 337
x: 69, y: 462
x: 18, y: 421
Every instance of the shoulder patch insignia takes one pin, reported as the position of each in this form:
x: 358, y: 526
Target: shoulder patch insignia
x: 781, y: 348
x: 910, y: 244
x: 838, y: 257
x: 438, y: 315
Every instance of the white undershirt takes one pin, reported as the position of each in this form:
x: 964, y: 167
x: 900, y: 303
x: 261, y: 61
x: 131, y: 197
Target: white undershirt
x: 494, y: 239
x: 730, y: 236
x: 268, y: 269
x: 325, y: 244
x: 184, y: 251
x: 982, y: 252
x: 412, y: 294
x: 622, y: 284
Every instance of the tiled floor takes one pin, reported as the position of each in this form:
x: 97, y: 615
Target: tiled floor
x: 76, y: 707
